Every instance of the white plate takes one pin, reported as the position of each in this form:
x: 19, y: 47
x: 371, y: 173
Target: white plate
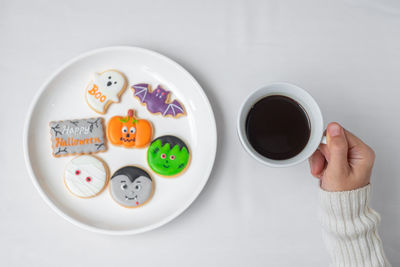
x: 62, y: 97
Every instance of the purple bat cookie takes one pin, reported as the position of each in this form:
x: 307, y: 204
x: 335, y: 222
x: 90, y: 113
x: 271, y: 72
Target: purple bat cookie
x: 157, y: 100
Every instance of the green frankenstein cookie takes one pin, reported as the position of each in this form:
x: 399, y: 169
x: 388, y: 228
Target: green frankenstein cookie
x: 168, y: 155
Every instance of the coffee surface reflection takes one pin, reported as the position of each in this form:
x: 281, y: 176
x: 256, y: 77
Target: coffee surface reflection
x: 277, y: 127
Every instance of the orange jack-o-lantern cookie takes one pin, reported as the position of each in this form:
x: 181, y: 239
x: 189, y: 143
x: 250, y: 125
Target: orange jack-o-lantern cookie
x: 128, y: 131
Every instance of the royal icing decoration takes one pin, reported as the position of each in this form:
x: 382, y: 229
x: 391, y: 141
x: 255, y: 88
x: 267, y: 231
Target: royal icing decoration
x: 131, y: 187
x: 168, y: 155
x: 77, y: 136
x: 157, y: 101
x: 129, y: 131
x: 105, y: 88
x: 85, y: 176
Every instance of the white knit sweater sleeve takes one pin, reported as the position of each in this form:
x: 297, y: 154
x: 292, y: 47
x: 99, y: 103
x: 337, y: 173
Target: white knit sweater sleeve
x: 350, y: 228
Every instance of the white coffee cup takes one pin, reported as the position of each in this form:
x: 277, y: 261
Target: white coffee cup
x: 300, y: 96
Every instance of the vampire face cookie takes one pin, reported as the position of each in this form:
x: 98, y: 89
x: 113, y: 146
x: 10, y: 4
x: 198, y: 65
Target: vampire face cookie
x: 131, y: 187
x: 168, y: 155
x: 128, y: 131
x: 105, y: 88
x: 85, y: 176
x: 83, y: 136
x: 157, y: 101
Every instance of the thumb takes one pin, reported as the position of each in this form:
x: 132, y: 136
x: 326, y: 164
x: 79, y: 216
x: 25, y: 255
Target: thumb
x: 338, y: 148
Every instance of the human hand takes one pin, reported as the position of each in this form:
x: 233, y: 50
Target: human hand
x: 344, y: 163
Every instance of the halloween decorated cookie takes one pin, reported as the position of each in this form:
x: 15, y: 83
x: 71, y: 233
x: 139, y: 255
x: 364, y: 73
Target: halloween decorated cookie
x: 131, y: 187
x: 86, y: 176
x: 168, y: 155
x: 128, y: 131
x: 82, y: 136
x: 157, y: 100
x: 104, y: 89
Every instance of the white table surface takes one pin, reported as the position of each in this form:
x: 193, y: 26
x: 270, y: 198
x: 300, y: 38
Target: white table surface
x: 345, y: 53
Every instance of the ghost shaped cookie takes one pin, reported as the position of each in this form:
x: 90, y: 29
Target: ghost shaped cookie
x: 86, y: 176
x: 105, y: 88
x: 131, y: 187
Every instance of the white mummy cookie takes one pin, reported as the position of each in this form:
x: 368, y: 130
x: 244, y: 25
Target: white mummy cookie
x: 131, y: 187
x: 104, y: 89
x: 85, y: 176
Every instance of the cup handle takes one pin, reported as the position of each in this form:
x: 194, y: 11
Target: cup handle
x: 323, y: 140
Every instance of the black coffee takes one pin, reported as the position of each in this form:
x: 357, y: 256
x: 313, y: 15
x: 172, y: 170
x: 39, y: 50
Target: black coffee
x: 277, y: 127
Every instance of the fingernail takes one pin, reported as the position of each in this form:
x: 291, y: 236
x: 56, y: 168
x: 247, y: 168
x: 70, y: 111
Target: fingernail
x: 334, y: 130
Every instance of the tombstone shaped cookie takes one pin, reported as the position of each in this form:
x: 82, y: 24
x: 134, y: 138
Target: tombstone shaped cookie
x: 80, y: 136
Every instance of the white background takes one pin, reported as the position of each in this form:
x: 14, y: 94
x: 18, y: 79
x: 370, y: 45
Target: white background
x: 345, y: 53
